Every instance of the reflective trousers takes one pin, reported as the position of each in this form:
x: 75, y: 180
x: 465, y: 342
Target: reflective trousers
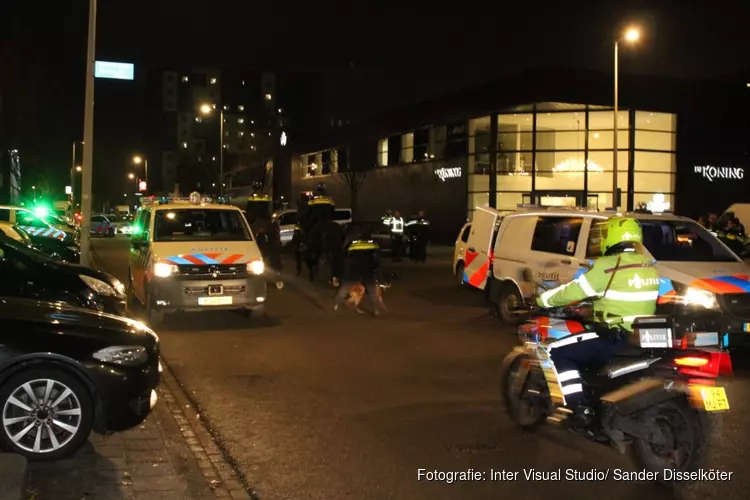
x: 570, y: 353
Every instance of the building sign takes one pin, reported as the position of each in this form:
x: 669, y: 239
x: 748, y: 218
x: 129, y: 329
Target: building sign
x: 114, y: 70
x: 142, y: 186
x: 448, y: 173
x: 69, y: 190
x: 283, y: 139
x: 710, y: 172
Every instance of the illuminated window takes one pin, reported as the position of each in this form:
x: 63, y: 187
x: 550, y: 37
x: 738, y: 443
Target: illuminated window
x: 383, y: 152
x: 213, y: 81
x: 252, y: 122
x: 241, y: 133
x: 268, y: 97
x: 240, y: 120
x: 243, y: 82
x: 241, y: 108
x: 184, y: 79
x: 226, y: 108
x: 226, y: 146
x: 279, y: 110
x: 252, y: 134
x: 198, y: 119
x: 184, y: 145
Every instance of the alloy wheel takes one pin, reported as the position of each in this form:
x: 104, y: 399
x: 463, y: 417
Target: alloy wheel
x: 41, y: 416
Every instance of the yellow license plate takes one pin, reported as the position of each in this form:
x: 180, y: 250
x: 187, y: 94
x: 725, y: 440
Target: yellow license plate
x: 714, y: 398
x: 215, y: 301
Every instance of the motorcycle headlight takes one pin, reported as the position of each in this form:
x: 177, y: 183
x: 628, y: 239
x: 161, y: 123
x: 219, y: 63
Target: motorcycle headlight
x: 124, y: 355
x: 164, y: 270
x: 98, y: 286
x: 697, y: 297
x: 256, y: 267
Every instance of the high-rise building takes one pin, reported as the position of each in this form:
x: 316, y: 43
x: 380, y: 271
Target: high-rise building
x: 262, y: 112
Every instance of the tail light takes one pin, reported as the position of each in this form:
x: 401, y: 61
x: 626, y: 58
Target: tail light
x: 705, y: 364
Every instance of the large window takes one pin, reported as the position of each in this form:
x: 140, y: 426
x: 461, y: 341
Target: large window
x: 479, y: 135
x: 557, y: 235
x: 561, y: 131
x: 456, y: 145
x: 437, y: 143
x: 422, y: 145
x: 383, y: 152
x: 407, y: 148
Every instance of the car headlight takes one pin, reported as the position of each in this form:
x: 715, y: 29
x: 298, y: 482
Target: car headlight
x: 698, y: 297
x: 256, y: 267
x: 99, y: 286
x: 164, y: 270
x: 124, y: 355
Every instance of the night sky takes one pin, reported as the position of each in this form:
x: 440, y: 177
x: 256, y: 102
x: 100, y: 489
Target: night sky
x: 376, y: 56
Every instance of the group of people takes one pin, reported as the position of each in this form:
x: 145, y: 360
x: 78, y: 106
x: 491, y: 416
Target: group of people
x: 414, y: 235
x: 728, y: 229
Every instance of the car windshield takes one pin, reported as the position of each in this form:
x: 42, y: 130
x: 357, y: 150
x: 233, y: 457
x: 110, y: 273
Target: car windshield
x: 120, y: 218
x: 25, y: 250
x: 682, y: 240
x: 198, y: 224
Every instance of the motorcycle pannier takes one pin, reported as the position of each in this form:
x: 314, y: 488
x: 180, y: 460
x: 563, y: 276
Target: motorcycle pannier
x: 654, y: 332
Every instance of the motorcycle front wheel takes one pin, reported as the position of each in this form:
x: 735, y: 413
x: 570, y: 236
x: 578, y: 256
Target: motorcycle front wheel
x: 686, y: 442
x: 526, y: 407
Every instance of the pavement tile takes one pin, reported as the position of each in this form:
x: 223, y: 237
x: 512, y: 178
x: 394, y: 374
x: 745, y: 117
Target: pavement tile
x: 167, y: 482
x: 240, y: 495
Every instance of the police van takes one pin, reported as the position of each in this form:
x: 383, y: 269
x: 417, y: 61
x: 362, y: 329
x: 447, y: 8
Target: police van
x: 559, y: 243
x: 194, y: 255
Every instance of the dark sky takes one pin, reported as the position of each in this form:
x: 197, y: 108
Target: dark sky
x: 377, y: 55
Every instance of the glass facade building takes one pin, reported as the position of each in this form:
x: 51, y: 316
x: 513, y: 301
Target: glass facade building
x: 563, y: 154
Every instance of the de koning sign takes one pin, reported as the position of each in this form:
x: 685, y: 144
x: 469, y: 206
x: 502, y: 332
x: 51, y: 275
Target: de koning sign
x: 710, y: 172
x: 448, y: 173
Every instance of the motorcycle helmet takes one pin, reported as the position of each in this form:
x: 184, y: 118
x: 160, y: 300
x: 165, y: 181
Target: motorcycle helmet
x: 620, y: 230
x: 320, y: 189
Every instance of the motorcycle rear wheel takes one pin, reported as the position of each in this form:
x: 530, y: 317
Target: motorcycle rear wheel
x: 682, y: 426
x: 525, y: 409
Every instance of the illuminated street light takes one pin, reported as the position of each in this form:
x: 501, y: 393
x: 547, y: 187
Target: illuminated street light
x: 137, y: 160
x: 131, y: 176
x: 78, y: 168
x: 207, y: 109
x: 631, y: 35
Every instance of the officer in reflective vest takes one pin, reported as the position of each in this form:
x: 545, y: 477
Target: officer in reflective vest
x: 362, y: 266
x: 397, y: 236
x: 625, y: 285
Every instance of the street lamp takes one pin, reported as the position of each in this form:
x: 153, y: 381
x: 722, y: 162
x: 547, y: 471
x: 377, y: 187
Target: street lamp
x: 207, y: 109
x: 33, y: 189
x: 631, y: 35
x: 137, y: 160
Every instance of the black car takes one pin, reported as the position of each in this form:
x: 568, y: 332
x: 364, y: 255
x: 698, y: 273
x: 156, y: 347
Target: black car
x: 64, y: 250
x: 28, y: 273
x: 65, y: 371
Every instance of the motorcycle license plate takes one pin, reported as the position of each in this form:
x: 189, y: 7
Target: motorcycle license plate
x: 713, y: 398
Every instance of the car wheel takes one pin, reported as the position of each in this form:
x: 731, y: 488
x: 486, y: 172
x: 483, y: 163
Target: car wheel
x: 508, y: 301
x: 47, y: 414
x: 154, y: 315
x: 460, y: 273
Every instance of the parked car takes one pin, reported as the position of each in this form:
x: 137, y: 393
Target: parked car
x: 57, y: 249
x: 102, y: 226
x: 123, y: 223
x: 29, y: 273
x: 65, y: 371
x: 37, y: 226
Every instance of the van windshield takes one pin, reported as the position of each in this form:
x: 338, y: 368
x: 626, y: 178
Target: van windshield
x: 686, y: 241
x: 198, y: 224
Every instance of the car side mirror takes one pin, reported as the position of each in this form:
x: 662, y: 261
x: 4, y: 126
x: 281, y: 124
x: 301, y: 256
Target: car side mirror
x: 586, y: 265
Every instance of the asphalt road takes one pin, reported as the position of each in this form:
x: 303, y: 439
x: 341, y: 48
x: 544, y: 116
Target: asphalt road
x: 321, y: 405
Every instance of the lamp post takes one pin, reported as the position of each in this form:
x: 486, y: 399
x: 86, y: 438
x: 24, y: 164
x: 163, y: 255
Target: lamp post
x: 207, y: 109
x: 631, y: 35
x: 73, y: 169
x: 137, y: 160
x: 33, y: 189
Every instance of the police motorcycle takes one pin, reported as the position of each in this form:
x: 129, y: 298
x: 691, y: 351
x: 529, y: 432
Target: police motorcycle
x: 661, y: 401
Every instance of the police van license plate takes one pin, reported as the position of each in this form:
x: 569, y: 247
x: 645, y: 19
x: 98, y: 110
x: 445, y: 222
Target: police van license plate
x: 714, y: 398
x: 214, y: 301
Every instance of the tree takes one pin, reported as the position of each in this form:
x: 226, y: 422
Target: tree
x: 351, y: 173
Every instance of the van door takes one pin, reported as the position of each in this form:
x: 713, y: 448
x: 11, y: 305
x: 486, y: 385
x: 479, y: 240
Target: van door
x: 558, y: 247
x: 479, y: 247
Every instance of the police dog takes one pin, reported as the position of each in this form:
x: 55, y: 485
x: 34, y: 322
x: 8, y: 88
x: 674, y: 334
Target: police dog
x: 357, y: 291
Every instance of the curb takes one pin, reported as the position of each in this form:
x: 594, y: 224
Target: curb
x: 14, y: 477
x: 220, y: 470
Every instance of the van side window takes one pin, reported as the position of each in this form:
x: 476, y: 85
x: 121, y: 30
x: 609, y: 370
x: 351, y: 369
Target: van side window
x: 556, y: 235
x: 466, y: 233
x: 593, y: 247
x: 4, y: 215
